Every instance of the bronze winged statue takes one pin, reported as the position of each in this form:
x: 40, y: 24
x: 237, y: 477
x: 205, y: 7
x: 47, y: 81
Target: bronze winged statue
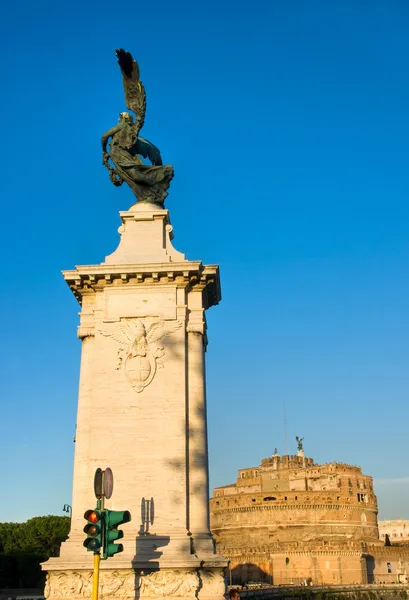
x: 149, y: 183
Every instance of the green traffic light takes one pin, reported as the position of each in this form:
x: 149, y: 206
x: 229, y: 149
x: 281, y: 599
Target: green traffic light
x: 114, y: 518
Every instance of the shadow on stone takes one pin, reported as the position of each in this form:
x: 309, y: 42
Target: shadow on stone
x: 248, y: 573
x: 146, y: 559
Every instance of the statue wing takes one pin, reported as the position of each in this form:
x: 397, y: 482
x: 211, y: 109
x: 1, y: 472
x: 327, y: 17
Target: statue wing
x: 147, y: 150
x: 158, y: 330
x: 120, y: 332
x: 135, y: 95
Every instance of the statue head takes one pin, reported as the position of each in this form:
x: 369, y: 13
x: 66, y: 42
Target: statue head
x: 125, y: 116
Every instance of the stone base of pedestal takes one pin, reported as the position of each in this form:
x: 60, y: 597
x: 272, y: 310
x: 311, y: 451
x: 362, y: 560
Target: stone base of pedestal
x: 202, y: 583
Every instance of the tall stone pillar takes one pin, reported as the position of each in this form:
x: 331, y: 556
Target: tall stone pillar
x: 142, y: 412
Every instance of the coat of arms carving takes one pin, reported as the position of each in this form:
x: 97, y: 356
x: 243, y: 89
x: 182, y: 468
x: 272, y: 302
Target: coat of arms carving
x: 139, y: 351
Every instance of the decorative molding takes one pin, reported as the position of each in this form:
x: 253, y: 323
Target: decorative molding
x: 218, y: 510
x: 83, y: 332
x: 190, y: 274
x: 139, y: 352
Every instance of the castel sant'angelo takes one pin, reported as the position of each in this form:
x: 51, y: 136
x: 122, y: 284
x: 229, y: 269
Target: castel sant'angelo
x: 292, y: 521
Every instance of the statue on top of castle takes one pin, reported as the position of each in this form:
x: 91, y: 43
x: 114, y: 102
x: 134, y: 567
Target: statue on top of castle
x: 149, y: 183
x: 299, y: 442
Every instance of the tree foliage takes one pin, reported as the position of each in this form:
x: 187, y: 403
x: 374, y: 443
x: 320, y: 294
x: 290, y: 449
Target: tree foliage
x: 23, y: 546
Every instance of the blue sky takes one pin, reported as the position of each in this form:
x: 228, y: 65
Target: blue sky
x: 287, y: 123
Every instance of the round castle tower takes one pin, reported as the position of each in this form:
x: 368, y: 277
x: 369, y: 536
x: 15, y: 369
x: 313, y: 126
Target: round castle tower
x: 292, y: 499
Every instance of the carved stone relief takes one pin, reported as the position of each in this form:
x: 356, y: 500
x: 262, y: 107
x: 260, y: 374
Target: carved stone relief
x: 68, y: 583
x: 213, y: 583
x: 139, y: 352
x: 175, y: 583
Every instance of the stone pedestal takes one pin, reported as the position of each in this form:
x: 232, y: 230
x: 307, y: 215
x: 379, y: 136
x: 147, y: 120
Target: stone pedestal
x: 142, y: 412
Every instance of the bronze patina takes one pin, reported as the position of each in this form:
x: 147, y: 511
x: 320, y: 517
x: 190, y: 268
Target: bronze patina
x: 149, y: 183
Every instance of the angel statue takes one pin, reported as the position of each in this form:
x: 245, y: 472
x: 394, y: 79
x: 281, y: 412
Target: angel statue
x: 299, y: 442
x: 148, y: 183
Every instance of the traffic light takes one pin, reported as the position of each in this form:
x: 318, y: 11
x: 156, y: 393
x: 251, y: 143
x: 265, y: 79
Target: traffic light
x: 113, y: 518
x: 93, y: 529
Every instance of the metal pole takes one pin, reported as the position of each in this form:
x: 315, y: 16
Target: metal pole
x: 95, y: 576
x: 97, y: 558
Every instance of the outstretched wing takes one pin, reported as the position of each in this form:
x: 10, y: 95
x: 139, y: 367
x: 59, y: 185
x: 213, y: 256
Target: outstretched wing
x: 159, y: 329
x: 120, y: 332
x: 135, y: 95
x: 147, y: 150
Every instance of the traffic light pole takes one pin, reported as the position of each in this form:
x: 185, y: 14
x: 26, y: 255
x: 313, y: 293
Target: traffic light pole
x: 102, y: 525
x: 95, y: 576
x: 97, y: 559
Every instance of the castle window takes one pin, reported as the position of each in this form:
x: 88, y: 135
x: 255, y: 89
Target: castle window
x: 255, y: 473
x: 389, y: 567
x: 242, y: 475
x: 269, y: 498
x: 296, y: 497
x: 285, y: 497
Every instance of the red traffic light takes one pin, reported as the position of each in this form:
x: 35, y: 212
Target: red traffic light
x: 92, y: 516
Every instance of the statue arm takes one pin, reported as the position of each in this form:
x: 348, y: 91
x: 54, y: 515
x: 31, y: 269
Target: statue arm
x: 105, y: 137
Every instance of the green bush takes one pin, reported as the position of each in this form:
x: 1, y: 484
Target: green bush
x: 23, y: 546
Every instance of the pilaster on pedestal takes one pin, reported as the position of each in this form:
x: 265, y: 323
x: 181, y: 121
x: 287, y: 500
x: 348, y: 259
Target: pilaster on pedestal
x: 142, y: 380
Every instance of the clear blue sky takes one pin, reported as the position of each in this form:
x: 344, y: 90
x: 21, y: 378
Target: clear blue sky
x: 287, y: 123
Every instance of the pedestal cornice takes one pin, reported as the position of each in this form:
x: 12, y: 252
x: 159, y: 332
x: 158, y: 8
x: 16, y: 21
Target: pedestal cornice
x: 89, y: 279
